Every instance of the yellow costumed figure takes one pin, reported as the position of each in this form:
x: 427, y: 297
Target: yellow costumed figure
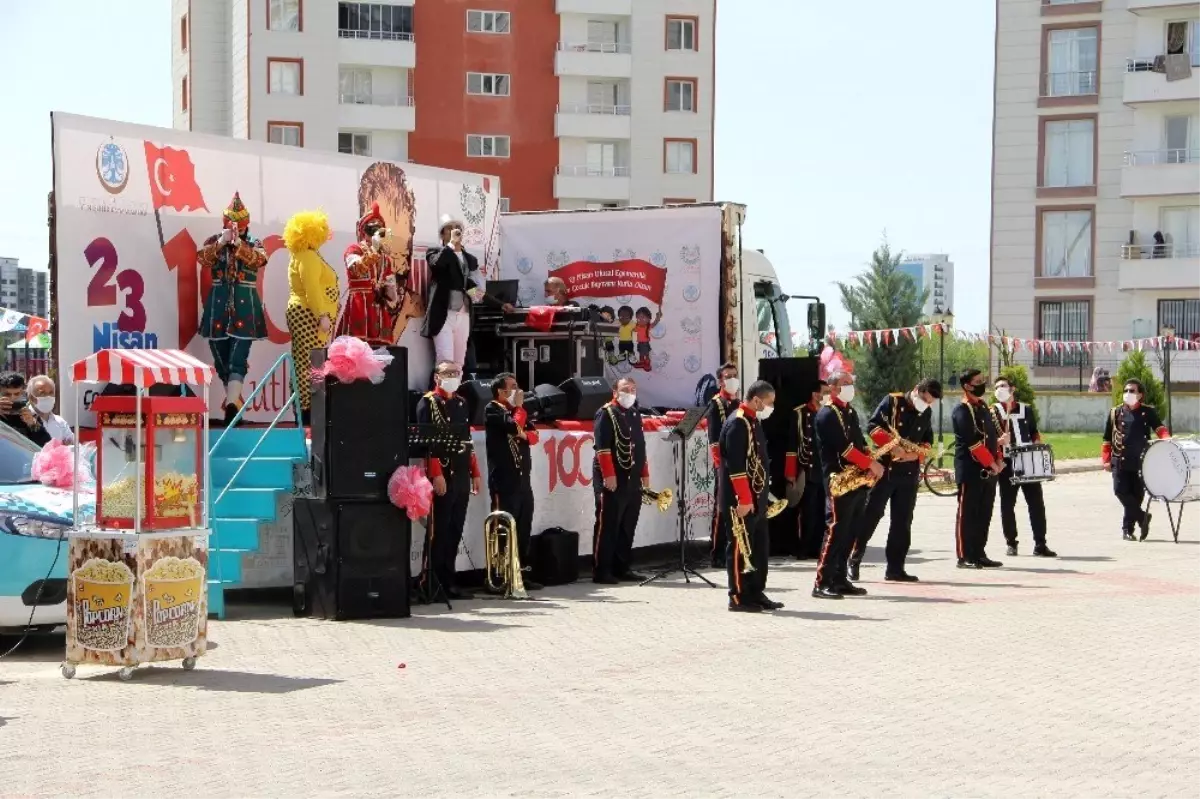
x: 312, y: 307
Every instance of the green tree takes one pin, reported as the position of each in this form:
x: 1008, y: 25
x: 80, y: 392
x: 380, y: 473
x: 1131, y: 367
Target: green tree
x: 1018, y: 377
x: 884, y: 298
x: 1134, y: 367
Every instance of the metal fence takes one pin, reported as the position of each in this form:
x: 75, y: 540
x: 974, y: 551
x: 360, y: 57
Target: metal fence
x: 1065, y: 371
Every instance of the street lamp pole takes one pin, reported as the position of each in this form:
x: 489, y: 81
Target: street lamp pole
x: 1168, y: 333
x: 943, y: 320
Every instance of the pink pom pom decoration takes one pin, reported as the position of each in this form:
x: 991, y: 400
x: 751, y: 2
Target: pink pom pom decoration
x: 350, y: 359
x: 55, y: 464
x: 833, y: 361
x: 410, y: 489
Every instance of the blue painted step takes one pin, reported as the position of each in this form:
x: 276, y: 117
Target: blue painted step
x: 238, y: 442
x: 236, y: 533
x: 225, y: 565
x: 216, y: 599
x: 258, y: 503
x: 262, y: 472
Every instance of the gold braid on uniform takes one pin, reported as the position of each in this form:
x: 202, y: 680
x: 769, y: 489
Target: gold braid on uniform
x: 622, y: 443
x: 754, y: 466
x: 1118, y: 432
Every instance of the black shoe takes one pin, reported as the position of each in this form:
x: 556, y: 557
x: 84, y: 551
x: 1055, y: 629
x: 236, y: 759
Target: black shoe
x: 969, y: 564
x: 848, y: 589
x: 1012, y: 551
x: 745, y: 607
x: 824, y: 592
x: 1128, y: 535
x: 988, y: 563
x: 852, y: 569
x: 1043, y: 551
x: 231, y: 411
x: 605, y: 579
x: 632, y: 577
x: 901, y: 577
x: 768, y: 604
x: 1145, y: 525
x: 458, y: 593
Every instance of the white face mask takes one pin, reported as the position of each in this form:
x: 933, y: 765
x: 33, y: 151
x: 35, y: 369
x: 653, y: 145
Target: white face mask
x: 919, y: 403
x: 1131, y: 398
x: 766, y: 412
x: 450, y: 384
x: 1004, y: 393
x: 732, y: 384
x: 44, y: 404
x: 846, y: 393
x: 511, y: 398
x: 626, y: 400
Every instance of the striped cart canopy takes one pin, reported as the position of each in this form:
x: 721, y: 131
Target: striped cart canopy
x: 143, y: 368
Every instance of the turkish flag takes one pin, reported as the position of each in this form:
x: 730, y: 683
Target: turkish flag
x: 541, y: 317
x: 614, y: 279
x: 173, y: 179
x: 35, y: 326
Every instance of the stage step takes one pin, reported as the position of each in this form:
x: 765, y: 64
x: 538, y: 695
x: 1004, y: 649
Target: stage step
x: 236, y: 533
x: 258, y: 503
x: 264, y: 472
x: 279, y: 443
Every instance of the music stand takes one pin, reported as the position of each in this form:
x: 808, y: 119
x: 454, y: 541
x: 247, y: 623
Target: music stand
x: 679, y: 437
x: 435, y: 441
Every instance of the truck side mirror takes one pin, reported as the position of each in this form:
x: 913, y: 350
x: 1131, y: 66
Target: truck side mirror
x: 816, y: 321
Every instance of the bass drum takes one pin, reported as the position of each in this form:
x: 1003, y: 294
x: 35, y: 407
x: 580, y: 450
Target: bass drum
x: 1171, y: 469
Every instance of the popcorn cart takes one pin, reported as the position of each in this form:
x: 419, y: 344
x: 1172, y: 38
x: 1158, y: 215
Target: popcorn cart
x: 137, y: 589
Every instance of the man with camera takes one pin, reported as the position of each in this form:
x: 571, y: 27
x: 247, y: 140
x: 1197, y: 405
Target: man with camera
x: 16, y: 412
x: 509, y: 433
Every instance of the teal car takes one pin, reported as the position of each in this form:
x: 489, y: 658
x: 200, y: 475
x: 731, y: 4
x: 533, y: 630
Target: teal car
x: 34, y: 521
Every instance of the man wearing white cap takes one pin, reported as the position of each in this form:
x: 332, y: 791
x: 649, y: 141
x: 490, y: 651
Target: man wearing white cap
x: 455, y: 283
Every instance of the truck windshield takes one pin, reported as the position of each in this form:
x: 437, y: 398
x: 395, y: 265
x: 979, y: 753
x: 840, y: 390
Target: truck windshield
x: 774, y: 329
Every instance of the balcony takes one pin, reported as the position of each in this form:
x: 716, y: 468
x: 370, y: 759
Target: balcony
x: 1146, y: 81
x: 1154, y: 173
x: 594, y: 59
x: 1068, y: 88
x: 603, y: 184
x: 1057, y: 8
x: 377, y: 48
x: 377, y: 112
x: 1158, y: 267
x: 607, y: 8
x: 1164, y: 9
x: 592, y: 121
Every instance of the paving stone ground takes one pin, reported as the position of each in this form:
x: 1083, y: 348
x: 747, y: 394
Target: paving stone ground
x: 1067, y: 678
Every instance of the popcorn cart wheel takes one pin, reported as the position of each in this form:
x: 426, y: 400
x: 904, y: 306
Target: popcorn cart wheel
x: 68, y: 670
x: 126, y: 673
x: 189, y: 663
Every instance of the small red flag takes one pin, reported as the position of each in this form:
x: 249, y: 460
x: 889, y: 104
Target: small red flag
x: 173, y: 179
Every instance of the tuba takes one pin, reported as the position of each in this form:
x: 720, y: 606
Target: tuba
x: 503, y: 567
x: 662, y: 498
x: 741, y: 539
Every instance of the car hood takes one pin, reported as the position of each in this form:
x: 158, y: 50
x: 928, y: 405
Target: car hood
x: 44, y: 503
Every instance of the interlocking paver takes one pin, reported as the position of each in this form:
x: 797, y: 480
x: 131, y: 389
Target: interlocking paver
x: 1074, y: 677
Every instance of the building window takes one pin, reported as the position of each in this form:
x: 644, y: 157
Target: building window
x: 1180, y: 226
x: 1181, y: 139
x: 285, y: 76
x: 488, y: 21
x: 286, y: 133
x: 1071, y: 62
x: 504, y: 205
x: 680, y: 95
x: 375, y: 21
x: 1067, y: 243
x: 284, y: 15
x: 1183, y: 315
x: 1069, y: 157
x: 487, y: 83
x: 681, y: 33
x: 1183, y: 39
x: 1063, y: 320
x: 354, y: 143
x: 354, y: 86
x: 480, y: 146
x: 183, y: 33
x: 602, y: 159
x: 679, y: 156
x: 184, y: 92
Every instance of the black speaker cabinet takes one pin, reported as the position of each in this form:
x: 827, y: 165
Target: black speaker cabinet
x: 359, y: 431
x: 350, y: 560
x: 556, y: 556
x: 585, y: 396
x: 794, y: 380
x: 477, y: 393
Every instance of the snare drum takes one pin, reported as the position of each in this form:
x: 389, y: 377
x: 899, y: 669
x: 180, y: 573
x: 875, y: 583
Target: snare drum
x: 1032, y: 463
x: 1171, y: 469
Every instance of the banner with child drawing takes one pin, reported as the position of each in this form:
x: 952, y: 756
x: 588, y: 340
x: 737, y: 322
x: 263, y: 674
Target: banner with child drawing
x: 656, y: 271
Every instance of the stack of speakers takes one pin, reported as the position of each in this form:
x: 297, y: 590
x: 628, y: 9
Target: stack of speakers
x: 351, y: 544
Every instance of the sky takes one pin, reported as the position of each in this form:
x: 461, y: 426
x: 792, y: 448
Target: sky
x: 835, y: 129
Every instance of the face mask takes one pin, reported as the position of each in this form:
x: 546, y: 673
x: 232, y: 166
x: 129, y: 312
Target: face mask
x: 977, y: 391
x: 626, y: 400
x: 1004, y: 393
x: 450, y: 384
x: 766, y: 412
x: 45, y: 404
x: 846, y: 393
x: 1131, y: 398
x: 511, y: 399
x: 732, y: 384
x: 919, y: 403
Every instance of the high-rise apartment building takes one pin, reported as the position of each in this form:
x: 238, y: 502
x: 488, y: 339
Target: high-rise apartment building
x: 571, y: 103
x: 23, y: 289
x: 1096, y: 171
x: 935, y: 275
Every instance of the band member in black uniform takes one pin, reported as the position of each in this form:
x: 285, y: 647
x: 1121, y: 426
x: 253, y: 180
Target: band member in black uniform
x: 843, y: 449
x: 803, y: 472
x: 907, y: 420
x: 619, y: 473
x: 977, y: 463
x: 723, y: 403
x: 455, y: 478
x: 746, y: 470
x: 1016, y: 423
x: 509, y: 434
x: 1130, y: 428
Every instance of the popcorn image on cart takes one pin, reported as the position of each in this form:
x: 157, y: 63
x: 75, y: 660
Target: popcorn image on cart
x: 103, y: 596
x: 173, y: 589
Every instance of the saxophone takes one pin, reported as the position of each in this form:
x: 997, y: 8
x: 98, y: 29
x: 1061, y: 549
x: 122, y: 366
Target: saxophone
x: 853, y: 478
x: 503, y: 567
x: 662, y: 499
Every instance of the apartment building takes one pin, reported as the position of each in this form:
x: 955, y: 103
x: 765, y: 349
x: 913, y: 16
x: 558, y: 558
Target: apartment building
x: 1096, y: 172
x: 23, y: 289
x: 933, y: 273
x: 572, y: 103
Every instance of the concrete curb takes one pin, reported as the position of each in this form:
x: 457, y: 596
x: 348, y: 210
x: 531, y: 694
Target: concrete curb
x: 1079, y: 466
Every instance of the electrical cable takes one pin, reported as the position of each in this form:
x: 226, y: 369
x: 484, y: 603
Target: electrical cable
x: 38, y: 597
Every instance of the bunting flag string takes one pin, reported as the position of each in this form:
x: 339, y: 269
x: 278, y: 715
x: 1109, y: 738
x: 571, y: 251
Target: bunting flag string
x: 893, y: 336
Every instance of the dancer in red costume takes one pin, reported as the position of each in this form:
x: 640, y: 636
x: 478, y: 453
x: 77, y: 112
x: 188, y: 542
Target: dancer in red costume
x: 374, y: 298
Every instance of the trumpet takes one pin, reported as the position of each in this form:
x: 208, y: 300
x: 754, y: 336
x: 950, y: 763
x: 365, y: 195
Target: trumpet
x: 503, y: 568
x: 662, y: 498
x: 741, y: 540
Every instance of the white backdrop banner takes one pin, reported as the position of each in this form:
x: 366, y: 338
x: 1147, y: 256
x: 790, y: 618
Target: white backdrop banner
x: 636, y: 263
x: 134, y: 203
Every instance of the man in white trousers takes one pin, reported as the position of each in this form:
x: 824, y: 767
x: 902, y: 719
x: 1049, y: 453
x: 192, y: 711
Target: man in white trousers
x: 454, y: 283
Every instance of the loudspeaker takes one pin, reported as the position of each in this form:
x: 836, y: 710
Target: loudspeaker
x: 477, y: 393
x: 585, y: 396
x: 556, y: 556
x: 359, y: 431
x: 794, y: 380
x: 350, y: 560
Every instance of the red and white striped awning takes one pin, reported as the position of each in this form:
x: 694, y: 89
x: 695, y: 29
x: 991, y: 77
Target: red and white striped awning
x: 143, y: 368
